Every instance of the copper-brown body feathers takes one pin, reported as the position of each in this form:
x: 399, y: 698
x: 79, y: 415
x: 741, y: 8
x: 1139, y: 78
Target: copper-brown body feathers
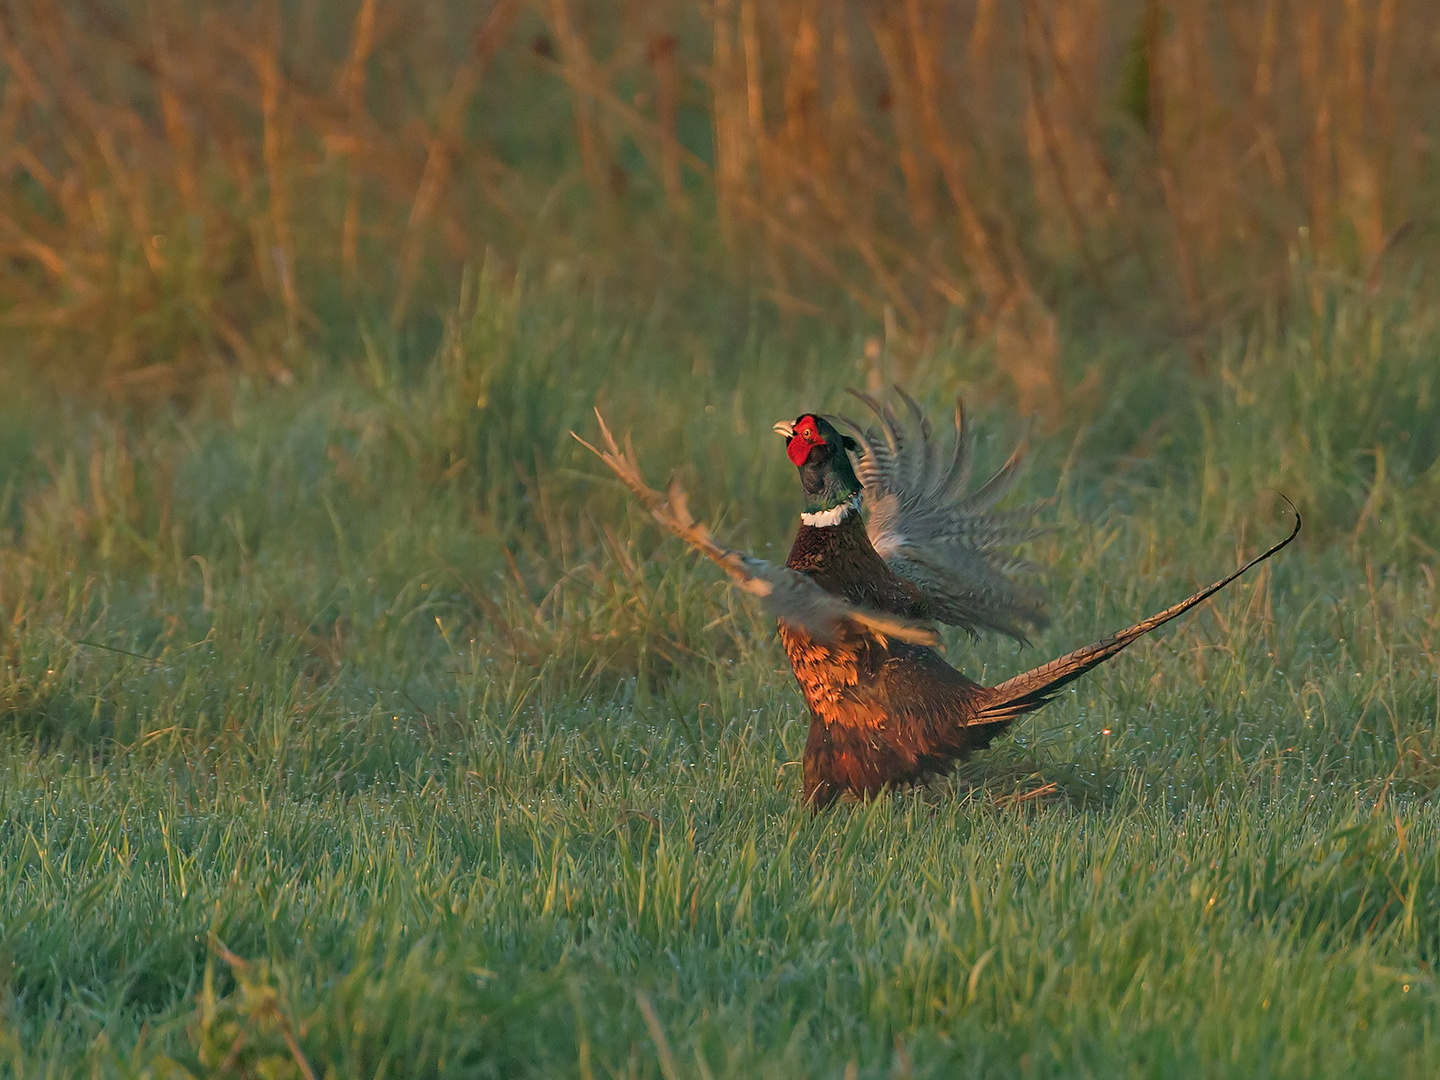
x: 882, y: 711
x: 885, y: 712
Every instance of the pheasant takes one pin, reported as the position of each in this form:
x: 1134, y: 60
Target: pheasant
x: 857, y: 599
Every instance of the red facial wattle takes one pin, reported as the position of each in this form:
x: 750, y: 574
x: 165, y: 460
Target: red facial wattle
x: 807, y: 436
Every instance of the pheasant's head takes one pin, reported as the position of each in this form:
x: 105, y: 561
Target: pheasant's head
x: 819, y: 452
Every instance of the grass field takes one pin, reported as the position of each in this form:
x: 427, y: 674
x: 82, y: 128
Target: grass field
x: 359, y: 727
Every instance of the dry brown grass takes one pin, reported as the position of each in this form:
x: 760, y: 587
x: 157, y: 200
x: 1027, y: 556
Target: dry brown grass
x: 184, y: 189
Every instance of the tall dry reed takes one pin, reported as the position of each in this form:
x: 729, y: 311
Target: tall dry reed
x: 186, y: 189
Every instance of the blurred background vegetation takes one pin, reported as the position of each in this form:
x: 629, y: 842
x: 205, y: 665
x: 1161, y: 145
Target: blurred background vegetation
x: 187, y: 190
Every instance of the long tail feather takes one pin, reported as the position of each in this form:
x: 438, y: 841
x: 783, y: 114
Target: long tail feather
x: 1029, y: 691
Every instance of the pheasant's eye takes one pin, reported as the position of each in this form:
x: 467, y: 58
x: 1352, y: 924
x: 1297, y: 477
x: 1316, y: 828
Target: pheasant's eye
x: 809, y: 435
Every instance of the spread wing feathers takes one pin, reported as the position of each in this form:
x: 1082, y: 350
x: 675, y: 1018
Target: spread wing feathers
x: 788, y: 594
x: 1029, y: 691
x: 933, y: 533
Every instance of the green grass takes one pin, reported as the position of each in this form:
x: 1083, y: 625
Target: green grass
x: 363, y: 722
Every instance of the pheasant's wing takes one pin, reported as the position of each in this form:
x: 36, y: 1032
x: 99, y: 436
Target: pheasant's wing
x: 788, y: 594
x: 943, y: 539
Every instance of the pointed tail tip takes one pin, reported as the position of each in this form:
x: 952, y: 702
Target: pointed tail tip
x: 1027, y: 692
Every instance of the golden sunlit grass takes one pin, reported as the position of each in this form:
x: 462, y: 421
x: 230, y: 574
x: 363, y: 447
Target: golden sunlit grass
x: 186, y: 188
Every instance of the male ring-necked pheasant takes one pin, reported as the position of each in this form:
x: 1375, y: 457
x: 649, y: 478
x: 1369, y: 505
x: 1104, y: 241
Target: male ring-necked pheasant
x: 856, y: 599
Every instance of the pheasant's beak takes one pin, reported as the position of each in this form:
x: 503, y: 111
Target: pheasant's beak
x: 785, y: 428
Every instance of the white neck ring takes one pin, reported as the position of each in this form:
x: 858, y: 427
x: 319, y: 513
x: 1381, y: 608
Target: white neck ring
x: 821, y: 519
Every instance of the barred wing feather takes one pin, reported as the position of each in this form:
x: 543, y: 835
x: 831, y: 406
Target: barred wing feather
x: 788, y: 594
x: 943, y: 539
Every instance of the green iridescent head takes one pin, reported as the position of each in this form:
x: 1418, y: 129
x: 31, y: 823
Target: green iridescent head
x: 818, y: 450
